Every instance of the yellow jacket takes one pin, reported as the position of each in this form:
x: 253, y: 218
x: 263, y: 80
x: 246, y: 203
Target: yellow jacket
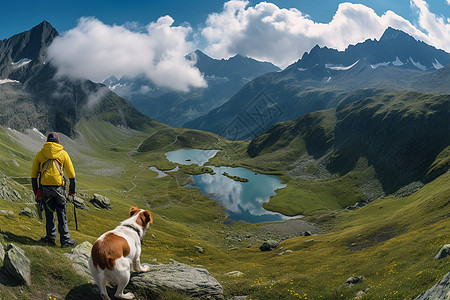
x: 49, y: 172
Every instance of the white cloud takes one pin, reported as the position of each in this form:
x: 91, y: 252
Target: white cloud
x: 96, y: 51
x: 437, y: 28
x: 267, y: 32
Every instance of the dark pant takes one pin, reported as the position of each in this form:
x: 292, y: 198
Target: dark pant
x: 55, y: 201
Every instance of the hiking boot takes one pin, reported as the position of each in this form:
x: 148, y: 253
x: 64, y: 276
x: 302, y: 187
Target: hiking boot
x: 48, y: 241
x: 68, y: 243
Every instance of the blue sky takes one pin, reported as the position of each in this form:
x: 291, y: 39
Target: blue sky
x: 99, y: 39
x: 19, y: 16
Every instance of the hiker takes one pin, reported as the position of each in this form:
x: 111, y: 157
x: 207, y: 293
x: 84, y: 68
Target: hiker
x: 51, y: 190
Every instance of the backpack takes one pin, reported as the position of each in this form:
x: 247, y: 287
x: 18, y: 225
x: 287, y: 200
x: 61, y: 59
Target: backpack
x: 52, y: 168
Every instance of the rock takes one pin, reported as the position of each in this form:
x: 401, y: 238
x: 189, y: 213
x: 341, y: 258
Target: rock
x: 194, y: 282
x: 238, y: 298
x: 440, y: 291
x: 101, y: 201
x: 79, y: 203
x: 27, y: 212
x: 6, y: 213
x: 353, y: 280
x: 7, y: 192
x: 2, y: 252
x: 268, y: 245
x: 361, y: 293
x: 17, y: 264
x: 79, y: 257
x: 234, y: 274
x: 199, y: 249
x: 444, y: 252
x: 307, y: 233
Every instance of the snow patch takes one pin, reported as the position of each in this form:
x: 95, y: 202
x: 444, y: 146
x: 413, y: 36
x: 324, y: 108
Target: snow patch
x: 418, y: 65
x: 383, y: 64
x: 437, y: 65
x: 7, y: 80
x: 39, y: 133
x: 21, y: 63
x: 340, y: 67
x: 397, y: 62
x: 301, y: 69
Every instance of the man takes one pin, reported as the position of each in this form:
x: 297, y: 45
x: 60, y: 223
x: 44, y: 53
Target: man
x: 49, y: 164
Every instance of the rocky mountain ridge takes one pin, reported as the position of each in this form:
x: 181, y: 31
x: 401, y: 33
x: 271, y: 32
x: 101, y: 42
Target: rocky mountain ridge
x: 326, y: 78
x: 224, y: 78
x: 32, y: 97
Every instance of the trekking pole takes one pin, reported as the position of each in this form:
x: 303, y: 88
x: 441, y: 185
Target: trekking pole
x: 74, y: 212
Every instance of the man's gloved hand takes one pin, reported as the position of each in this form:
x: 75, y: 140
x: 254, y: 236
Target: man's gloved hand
x: 39, y: 195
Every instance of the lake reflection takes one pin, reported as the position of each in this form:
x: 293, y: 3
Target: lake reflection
x: 242, y: 200
x: 191, y: 156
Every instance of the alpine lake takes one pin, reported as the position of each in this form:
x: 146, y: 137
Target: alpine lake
x: 240, y: 191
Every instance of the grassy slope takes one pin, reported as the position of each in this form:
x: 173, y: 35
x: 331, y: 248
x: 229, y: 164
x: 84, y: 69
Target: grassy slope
x: 184, y: 218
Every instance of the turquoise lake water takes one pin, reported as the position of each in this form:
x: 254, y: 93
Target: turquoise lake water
x: 242, y: 200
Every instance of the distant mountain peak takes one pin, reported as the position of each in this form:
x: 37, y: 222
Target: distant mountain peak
x: 394, y: 34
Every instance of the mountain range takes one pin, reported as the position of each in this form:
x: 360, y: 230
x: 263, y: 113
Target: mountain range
x: 224, y: 78
x: 32, y: 97
x: 325, y: 78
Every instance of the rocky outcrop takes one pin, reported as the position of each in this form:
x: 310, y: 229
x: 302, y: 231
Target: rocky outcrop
x: 27, y: 212
x: 440, y: 291
x: 101, y: 201
x: 7, y: 192
x: 79, y: 203
x: 194, y: 282
x: 17, y: 264
x: 444, y: 252
x: 6, y: 213
x: 178, y: 277
x: 353, y: 280
x: 2, y: 252
x: 79, y: 257
x: 268, y: 245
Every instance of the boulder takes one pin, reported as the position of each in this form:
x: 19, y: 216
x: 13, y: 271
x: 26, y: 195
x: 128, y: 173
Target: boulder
x: 17, y: 264
x: 27, y: 212
x: 6, y: 213
x: 79, y: 203
x: 268, y: 245
x: 361, y: 293
x: 440, y: 291
x: 101, y: 201
x: 234, y: 274
x: 79, y: 257
x: 199, y: 249
x: 444, y: 252
x: 194, y: 282
x: 353, y: 280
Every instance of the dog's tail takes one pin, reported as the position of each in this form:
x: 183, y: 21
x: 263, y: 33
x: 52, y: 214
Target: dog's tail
x: 105, y: 251
x: 101, y: 257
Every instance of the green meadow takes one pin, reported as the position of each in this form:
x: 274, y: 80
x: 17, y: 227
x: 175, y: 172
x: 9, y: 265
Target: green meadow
x: 391, y: 241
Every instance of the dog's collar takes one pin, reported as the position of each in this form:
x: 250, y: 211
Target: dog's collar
x: 136, y: 230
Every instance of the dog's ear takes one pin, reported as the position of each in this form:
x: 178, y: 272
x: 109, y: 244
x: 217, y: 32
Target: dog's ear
x: 148, y: 217
x: 134, y: 210
x: 145, y: 218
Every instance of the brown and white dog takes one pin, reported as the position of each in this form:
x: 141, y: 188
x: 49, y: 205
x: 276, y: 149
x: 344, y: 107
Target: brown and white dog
x: 116, y: 251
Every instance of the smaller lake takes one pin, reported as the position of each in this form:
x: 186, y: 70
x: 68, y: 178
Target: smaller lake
x: 242, y: 200
x: 190, y: 156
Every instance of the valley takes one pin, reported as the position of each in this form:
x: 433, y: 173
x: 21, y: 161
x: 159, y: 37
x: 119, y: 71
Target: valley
x: 353, y: 147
